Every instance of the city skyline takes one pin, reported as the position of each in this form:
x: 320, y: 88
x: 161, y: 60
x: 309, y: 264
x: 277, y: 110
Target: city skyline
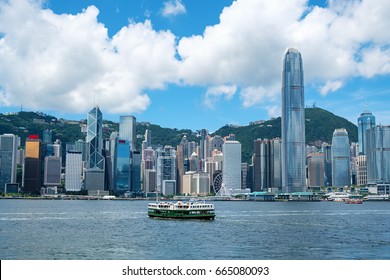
x: 160, y: 61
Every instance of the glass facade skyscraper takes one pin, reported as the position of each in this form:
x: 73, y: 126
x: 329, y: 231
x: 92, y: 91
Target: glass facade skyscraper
x: 378, y: 155
x: 365, y: 121
x: 95, y: 139
x: 293, y: 124
x: 122, y: 172
x: 127, y: 130
x: 231, y: 165
x: 341, y: 159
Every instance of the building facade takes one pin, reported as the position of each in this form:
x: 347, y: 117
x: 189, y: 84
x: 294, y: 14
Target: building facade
x: 293, y: 124
x: 365, y: 121
x: 232, y: 165
x: 341, y: 160
x: 127, y: 130
x: 8, y: 160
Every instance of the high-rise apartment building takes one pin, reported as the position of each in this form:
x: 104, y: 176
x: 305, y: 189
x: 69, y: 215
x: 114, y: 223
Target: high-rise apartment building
x: 293, y: 124
x: 231, y: 175
x: 365, y: 121
x: 127, y: 130
x: 341, y: 160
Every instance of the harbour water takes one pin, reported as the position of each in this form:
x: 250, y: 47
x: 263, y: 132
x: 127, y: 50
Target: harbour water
x: 121, y: 230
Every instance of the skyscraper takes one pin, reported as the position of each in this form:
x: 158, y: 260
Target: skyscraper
x: 378, y: 157
x: 127, y: 126
x: 232, y: 165
x: 94, y: 176
x: 341, y: 159
x: 365, y: 121
x: 293, y: 124
x: 33, y: 165
x: 73, y: 171
x: 8, y: 147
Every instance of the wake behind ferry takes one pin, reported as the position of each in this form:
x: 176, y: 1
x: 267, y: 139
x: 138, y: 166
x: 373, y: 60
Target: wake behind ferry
x: 181, y: 210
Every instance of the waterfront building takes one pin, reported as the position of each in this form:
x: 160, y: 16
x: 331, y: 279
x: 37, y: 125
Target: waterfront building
x: 94, y: 175
x: 122, y: 167
x: 244, y: 174
x: 200, y: 183
x: 8, y: 160
x: 315, y: 169
x: 127, y: 130
x: 166, y: 166
x: 341, y: 161
x: 211, y: 168
x: 231, y: 175
x: 81, y: 146
x: 33, y: 165
x: 378, y: 158
x: 327, y: 152
x: 293, y: 124
x: 187, y: 181
x: 149, y: 182
x: 73, y: 171
x: 267, y: 171
x: 365, y: 121
x: 52, y: 171
x: 135, y: 186
x: 361, y: 170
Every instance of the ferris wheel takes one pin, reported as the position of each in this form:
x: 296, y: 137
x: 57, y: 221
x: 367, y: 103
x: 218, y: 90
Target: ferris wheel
x: 219, y: 186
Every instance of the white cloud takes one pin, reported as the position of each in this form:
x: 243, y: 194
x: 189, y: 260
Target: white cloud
x: 274, y: 111
x: 65, y: 62
x: 173, y: 8
x: 330, y: 86
x: 214, y: 94
x: 62, y: 61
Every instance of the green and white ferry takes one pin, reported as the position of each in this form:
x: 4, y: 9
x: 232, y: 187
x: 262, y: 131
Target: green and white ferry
x: 181, y: 210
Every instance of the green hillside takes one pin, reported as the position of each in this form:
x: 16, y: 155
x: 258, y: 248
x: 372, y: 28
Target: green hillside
x: 320, y: 125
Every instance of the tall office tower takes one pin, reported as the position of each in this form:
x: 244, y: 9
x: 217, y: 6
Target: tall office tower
x: 47, y: 136
x: 94, y: 175
x: 166, y: 166
x: 261, y: 164
x: 244, y: 175
x: 73, y: 171
x: 361, y: 170
x: 365, y: 121
x: 122, y: 173
x: 327, y: 152
x: 127, y: 130
x: 52, y: 172
x: 215, y: 143
x: 33, y: 165
x: 315, y: 166
x: 149, y: 183
x: 276, y: 165
x: 232, y: 165
x: 293, y: 124
x: 204, y: 143
x: 354, y: 150
x: 135, y: 166
x: 8, y: 153
x: 341, y: 161
x: 378, y: 157
x: 267, y: 167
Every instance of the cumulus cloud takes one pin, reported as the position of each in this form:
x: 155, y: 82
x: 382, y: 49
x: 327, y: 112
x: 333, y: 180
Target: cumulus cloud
x: 173, y: 8
x: 331, y: 86
x: 65, y: 62
x: 214, y: 94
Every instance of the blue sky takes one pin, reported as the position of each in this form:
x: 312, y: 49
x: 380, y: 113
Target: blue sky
x: 192, y: 64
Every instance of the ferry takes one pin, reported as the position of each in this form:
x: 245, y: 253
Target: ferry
x: 380, y: 197
x: 180, y: 210
x: 353, y: 201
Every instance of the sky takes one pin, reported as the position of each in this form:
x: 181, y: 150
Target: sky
x: 190, y: 64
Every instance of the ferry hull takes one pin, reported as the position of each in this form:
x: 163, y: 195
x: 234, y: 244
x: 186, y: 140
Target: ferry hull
x: 183, y: 216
